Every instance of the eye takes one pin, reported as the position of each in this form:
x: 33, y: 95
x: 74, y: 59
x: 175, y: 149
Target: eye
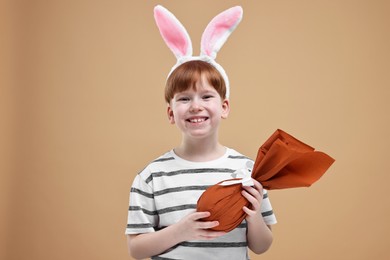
x: 207, y: 97
x: 183, y: 99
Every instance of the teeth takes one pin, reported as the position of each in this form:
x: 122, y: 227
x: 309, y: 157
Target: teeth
x: 197, y: 120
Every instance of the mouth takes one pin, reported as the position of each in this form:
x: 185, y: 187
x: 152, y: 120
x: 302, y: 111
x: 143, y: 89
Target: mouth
x: 197, y: 120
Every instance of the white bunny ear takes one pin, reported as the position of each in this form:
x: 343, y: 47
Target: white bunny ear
x: 219, y: 29
x: 173, y: 32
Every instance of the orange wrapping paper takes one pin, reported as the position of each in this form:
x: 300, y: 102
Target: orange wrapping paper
x: 282, y: 162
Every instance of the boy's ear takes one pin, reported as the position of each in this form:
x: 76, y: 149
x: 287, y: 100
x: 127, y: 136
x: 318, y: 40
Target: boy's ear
x: 225, y: 108
x: 170, y: 115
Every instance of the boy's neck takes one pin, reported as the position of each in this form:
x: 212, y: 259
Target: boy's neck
x: 200, y: 150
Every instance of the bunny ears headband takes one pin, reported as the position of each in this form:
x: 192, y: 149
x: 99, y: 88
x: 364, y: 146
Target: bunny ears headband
x: 213, y: 38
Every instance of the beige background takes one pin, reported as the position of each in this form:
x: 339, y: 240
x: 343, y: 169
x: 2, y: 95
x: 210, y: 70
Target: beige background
x: 82, y: 112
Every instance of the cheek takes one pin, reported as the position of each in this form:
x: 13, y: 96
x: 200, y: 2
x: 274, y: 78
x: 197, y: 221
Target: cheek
x: 218, y: 108
x: 178, y: 110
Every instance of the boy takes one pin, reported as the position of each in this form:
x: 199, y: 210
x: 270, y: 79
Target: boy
x: 163, y: 197
x: 162, y: 221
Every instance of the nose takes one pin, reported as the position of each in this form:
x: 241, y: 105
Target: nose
x: 196, y: 106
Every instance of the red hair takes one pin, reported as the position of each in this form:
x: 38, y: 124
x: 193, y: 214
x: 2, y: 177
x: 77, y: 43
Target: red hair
x: 187, y: 74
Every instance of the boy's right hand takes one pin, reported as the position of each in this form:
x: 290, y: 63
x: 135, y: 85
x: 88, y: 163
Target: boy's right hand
x: 192, y: 227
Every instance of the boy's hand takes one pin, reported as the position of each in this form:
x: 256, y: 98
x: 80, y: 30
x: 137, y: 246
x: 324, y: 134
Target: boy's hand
x: 255, y: 196
x: 192, y: 227
x: 259, y: 235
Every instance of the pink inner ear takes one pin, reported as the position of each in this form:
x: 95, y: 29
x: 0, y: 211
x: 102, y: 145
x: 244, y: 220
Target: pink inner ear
x: 220, y: 28
x: 172, y: 33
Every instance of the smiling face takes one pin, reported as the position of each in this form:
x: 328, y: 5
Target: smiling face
x: 197, y: 111
x: 195, y: 93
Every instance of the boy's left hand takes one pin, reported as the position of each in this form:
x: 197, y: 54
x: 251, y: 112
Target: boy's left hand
x: 255, y: 196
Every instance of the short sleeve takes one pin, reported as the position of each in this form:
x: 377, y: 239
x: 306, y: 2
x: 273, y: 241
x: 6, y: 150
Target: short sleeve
x: 266, y: 210
x: 142, y: 214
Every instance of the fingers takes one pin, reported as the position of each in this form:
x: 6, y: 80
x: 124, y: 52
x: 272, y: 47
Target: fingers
x: 197, y: 218
x: 201, y: 228
x: 252, y: 198
x: 247, y: 210
x: 251, y: 194
x: 258, y: 187
x: 254, y: 195
x: 255, y: 190
x: 207, y: 224
x: 199, y: 215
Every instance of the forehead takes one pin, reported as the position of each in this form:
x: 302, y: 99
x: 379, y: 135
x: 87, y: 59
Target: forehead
x: 201, y: 84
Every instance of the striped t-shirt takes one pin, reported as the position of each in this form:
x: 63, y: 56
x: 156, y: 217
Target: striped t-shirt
x: 168, y: 189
